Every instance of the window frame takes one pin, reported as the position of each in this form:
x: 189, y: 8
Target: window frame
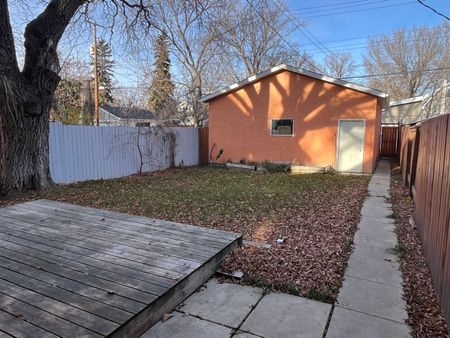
x: 278, y: 119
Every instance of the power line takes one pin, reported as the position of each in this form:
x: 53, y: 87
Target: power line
x: 363, y: 37
x: 330, y: 5
x: 434, y: 10
x: 303, y: 29
x: 361, y: 45
x: 395, y: 73
x: 340, y: 7
x: 360, y: 10
x: 282, y: 37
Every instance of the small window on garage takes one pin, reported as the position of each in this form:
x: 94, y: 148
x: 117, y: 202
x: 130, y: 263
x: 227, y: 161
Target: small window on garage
x: 282, y: 127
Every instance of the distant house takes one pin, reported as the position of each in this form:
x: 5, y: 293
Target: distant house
x: 287, y: 114
x: 126, y: 116
x: 405, y: 111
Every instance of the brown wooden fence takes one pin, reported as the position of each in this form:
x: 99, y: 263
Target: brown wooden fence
x: 408, y: 153
x: 203, y: 147
x: 389, y: 138
x: 425, y: 166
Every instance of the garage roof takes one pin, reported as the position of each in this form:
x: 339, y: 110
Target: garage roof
x: 300, y: 71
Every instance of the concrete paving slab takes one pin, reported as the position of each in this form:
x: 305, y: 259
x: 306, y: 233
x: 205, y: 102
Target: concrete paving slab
x: 379, y: 193
x: 380, y: 180
x: 375, y: 266
x: 377, y: 199
x: 376, y: 229
x: 281, y: 315
x: 382, y: 174
x: 183, y: 326
x: 241, y: 334
x: 226, y: 304
x: 376, y: 211
x: 370, y: 238
x: 376, y: 224
x: 347, y: 323
x: 378, y: 186
x: 373, y: 298
x: 376, y: 203
x: 381, y: 235
x: 372, y: 250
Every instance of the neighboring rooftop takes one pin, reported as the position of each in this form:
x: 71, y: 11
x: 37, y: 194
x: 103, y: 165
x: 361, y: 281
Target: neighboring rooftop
x: 300, y: 71
x: 407, y: 101
x: 129, y: 113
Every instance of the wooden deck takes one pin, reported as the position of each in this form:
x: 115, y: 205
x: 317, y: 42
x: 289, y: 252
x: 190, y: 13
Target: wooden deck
x: 73, y: 271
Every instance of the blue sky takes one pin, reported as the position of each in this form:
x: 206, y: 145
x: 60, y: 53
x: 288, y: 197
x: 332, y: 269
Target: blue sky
x: 339, y: 25
x: 358, y: 21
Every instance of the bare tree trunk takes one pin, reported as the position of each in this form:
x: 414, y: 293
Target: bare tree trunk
x: 24, y: 138
x: 26, y: 96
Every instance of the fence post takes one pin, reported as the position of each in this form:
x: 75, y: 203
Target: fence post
x: 413, y: 164
x: 203, y: 146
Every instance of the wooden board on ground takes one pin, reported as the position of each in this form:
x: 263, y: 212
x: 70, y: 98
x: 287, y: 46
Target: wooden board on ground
x: 73, y: 271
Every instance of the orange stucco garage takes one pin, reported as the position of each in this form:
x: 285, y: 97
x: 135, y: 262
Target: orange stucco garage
x: 287, y: 114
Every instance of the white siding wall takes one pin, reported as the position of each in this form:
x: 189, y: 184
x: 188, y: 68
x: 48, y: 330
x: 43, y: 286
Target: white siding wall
x: 80, y: 153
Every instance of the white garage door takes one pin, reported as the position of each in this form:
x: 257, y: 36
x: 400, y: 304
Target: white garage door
x: 351, y: 146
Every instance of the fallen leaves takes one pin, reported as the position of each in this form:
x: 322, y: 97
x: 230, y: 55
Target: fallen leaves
x: 424, y: 316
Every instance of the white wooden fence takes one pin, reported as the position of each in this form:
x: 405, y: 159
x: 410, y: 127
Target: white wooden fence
x: 80, y: 153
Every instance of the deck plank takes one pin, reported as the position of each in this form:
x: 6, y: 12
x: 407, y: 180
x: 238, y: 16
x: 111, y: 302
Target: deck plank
x: 102, y: 284
x: 121, y: 280
x: 43, y: 319
x: 152, y: 285
x: 5, y: 335
x: 76, y: 300
x: 112, y: 247
x: 73, y: 271
x: 127, y: 225
x: 185, y: 228
x: 100, y: 295
x: 16, y: 327
x: 82, y: 318
x: 94, y: 227
x: 91, y: 257
x: 176, y: 249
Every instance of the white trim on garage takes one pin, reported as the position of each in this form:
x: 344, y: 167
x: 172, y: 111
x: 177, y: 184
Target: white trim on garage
x: 300, y: 71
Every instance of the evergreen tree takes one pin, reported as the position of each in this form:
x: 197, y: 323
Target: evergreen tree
x: 105, y: 64
x: 161, y: 99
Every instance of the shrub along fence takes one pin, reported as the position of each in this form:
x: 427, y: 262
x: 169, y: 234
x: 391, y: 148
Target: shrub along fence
x: 80, y: 153
x: 425, y: 167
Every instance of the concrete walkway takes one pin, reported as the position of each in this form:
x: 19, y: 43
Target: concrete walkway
x: 370, y: 301
x: 369, y: 304
x: 229, y: 310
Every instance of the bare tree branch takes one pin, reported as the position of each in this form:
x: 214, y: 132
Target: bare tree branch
x: 8, y: 60
x: 42, y: 38
x: 407, y: 58
x: 339, y: 65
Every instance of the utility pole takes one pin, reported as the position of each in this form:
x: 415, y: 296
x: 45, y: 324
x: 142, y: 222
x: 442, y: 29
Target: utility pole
x: 96, y: 109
